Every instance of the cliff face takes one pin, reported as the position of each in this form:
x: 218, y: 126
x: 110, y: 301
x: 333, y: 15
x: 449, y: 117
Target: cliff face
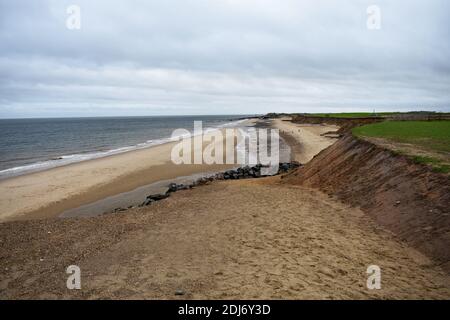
x: 407, y: 198
x: 345, y: 124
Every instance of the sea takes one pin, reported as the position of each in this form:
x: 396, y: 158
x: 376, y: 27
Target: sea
x: 29, y: 145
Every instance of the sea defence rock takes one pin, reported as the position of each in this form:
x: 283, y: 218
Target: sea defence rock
x: 246, y: 172
x: 155, y: 197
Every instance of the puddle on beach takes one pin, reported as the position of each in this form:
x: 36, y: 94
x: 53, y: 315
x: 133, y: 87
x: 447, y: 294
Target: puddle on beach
x: 137, y: 196
x: 130, y: 198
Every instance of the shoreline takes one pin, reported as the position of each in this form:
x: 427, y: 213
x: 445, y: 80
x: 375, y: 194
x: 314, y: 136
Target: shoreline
x: 44, y: 165
x: 305, y: 140
x: 266, y: 238
x: 50, y: 192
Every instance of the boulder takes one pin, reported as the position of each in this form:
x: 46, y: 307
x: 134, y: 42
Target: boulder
x: 173, y: 187
x: 154, y: 197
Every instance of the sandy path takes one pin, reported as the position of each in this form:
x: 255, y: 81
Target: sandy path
x: 240, y: 239
x: 308, y: 136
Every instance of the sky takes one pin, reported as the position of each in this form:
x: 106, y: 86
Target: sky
x: 177, y: 57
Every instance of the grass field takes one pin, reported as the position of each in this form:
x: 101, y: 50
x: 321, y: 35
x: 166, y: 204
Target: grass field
x: 428, y: 135
x: 352, y: 114
x: 369, y: 114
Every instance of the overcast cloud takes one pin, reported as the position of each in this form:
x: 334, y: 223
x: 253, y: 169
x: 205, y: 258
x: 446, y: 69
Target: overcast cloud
x: 222, y: 57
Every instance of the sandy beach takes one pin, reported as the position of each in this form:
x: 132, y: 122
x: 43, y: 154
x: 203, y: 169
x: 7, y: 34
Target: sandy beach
x: 242, y: 239
x: 49, y: 193
x: 305, y: 139
x: 225, y: 154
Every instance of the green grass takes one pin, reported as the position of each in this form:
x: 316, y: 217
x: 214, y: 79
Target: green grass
x: 435, y: 163
x: 443, y: 168
x: 352, y: 114
x: 432, y: 135
x: 376, y: 114
x: 428, y: 135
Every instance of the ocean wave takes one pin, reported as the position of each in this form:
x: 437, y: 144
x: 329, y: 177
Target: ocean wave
x: 74, y: 158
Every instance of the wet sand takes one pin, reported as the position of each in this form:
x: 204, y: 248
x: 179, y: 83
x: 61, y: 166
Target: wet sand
x: 49, y: 193
x: 244, y: 239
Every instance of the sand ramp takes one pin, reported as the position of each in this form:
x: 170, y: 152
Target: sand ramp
x: 240, y: 239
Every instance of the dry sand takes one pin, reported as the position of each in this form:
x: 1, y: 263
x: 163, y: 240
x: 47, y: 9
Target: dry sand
x: 307, y: 139
x: 254, y: 239
x: 49, y: 193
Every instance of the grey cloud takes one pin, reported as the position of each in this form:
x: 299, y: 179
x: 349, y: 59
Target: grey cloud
x: 224, y: 56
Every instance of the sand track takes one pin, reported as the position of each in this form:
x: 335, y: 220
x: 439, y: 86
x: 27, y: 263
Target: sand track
x: 240, y: 239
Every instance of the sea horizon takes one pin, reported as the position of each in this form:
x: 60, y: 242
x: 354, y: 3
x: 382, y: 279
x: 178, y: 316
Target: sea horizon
x: 36, y: 144
x: 134, y: 116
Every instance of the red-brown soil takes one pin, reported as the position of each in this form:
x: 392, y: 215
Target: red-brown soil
x: 407, y: 198
x: 345, y: 124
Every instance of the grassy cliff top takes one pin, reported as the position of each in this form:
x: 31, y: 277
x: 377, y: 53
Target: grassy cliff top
x: 426, y: 141
x: 412, y: 115
x: 352, y: 114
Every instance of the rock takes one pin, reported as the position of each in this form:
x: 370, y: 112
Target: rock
x: 158, y: 196
x: 154, y: 197
x: 146, y: 203
x: 179, y: 292
x: 239, y: 173
x: 172, y: 187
